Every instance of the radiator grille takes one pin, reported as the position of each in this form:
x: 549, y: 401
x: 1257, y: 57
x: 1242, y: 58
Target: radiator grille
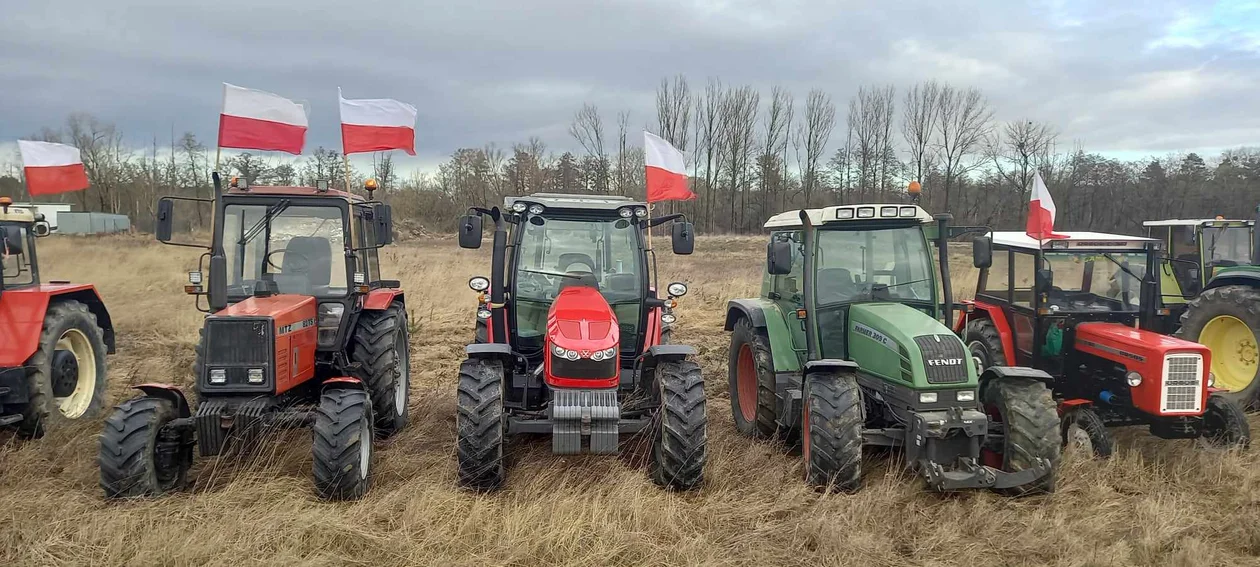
x: 583, y: 368
x: 238, y: 341
x: 944, y: 358
x: 1183, y: 376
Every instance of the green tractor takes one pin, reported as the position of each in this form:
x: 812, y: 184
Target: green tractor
x: 847, y: 347
x: 1210, y: 293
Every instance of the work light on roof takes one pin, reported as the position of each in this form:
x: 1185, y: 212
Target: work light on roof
x: 625, y: 212
x: 888, y: 211
x: 535, y: 209
x: 907, y: 212
x: 843, y: 214
x: 519, y: 207
x: 640, y: 212
x: 866, y: 212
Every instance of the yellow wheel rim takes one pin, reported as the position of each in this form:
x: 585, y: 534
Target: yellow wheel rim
x: 78, y: 402
x: 1235, y: 357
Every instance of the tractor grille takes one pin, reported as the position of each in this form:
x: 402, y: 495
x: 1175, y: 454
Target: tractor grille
x: 238, y: 341
x: 583, y: 368
x: 944, y: 358
x: 1183, y: 384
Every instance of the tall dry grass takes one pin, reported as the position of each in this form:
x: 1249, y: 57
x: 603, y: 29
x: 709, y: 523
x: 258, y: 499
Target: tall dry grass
x: 1155, y: 503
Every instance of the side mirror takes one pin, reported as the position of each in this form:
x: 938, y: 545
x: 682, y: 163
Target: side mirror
x: 982, y: 252
x: 470, y: 231
x: 1045, y: 281
x: 41, y: 228
x: 779, y: 257
x: 165, y: 218
x: 11, y: 238
x: 683, y: 238
x: 383, y: 216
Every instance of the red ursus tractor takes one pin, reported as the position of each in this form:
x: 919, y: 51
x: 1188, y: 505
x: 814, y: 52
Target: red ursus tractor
x: 573, y: 340
x: 301, y: 330
x: 53, y: 336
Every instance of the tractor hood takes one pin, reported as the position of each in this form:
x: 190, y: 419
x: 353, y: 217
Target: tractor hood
x: 906, y: 345
x: 277, y: 307
x: 1131, y: 347
x: 580, y: 319
x: 1174, y: 372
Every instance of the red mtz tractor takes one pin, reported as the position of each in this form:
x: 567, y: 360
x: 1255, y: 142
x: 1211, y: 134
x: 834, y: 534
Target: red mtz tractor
x: 1081, y: 308
x: 301, y: 331
x: 53, y: 336
x: 572, y: 340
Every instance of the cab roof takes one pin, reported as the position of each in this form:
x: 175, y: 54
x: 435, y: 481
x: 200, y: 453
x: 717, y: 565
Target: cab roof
x: 290, y: 191
x: 1196, y: 222
x: 568, y: 201
x: 1073, y: 240
x: 17, y: 214
x: 850, y: 213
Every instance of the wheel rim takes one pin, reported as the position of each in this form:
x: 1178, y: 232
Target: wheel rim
x: 78, y: 401
x: 1078, y: 439
x: 365, y: 448
x: 404, y: 375
x: 1235, y: 357
x: 746, y: 383
x: 977, y: 350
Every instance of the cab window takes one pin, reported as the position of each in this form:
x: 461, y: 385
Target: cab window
x: 790, y: 284
x: 997, y: 278
x: 1024, y: 267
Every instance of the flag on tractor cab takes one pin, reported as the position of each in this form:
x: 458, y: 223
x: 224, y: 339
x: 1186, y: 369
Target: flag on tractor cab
x: 52, y: 168
x: 1040, y: 211
x: 258, y: 120
x: 377, y: 124
x: 666, y: 174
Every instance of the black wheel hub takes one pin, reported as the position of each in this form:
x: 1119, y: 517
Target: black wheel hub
x: 65, y: 373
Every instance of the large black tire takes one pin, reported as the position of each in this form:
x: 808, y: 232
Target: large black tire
x: 984, y: 342
x: 479, y: 424
x: 1083, y: 428
x: 750, y: 353
x: 127, y: 452
x: 679, y: 445
x: 65, y: 317
x: 342, y: 444
x: 831, y: 442
x: 1225, y: 424
x: 1030, y: 423
x: 380, y: 345
x: 1238, y: 301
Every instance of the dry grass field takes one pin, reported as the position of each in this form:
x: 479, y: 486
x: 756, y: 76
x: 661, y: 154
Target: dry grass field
x: 1155, y: 503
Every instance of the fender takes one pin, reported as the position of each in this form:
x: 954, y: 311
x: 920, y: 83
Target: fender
x: 1235, y: 275
x: 749, y: 308
x: 998, y: 317
x: 22, y: 314
x: 380, y: 299
x: 347, y: 382
x: 657, y: 354
x: 829, y: 365
x: 775, y: 326
x: 489, y: 350
x: 1008, y: 372
x: 169, y: 393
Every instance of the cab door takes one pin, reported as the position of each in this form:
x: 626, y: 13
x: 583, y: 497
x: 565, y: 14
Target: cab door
x: 786, y: 291
x: 1021, y: 311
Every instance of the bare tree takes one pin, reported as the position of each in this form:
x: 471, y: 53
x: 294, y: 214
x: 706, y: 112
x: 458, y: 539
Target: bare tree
x: 710, y: 108
x: 918, y: 125
x: 964, y: 118
x: 673, y: 111
x: 740, y: 111
x: 623, y: 125
x: 812, y: 135
x: 1018, y: 150
x: 588, y: 129
x: 768, y: 168
x: 383, y: 170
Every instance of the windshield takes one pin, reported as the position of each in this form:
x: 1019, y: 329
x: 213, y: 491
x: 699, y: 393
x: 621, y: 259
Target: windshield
x: 1227, y: 245
x: 15, y: 257
x: 302, y: 249
x: 1095, y: 280
x: 607, y: 249
x: 855, y: 265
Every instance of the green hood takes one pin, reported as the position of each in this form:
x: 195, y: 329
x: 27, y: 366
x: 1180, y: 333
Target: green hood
x: 905, y: 345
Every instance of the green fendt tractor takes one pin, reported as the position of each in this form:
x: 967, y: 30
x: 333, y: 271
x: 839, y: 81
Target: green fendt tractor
x: 1209, y: 286
x: 846, y: 347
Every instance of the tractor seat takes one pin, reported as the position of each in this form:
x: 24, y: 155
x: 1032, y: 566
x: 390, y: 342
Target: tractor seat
x: 583, y: 279
x: 306, y: 267
x: 568, y: 260
x: 836, y: 284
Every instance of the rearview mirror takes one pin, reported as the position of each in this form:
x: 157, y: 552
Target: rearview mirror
x: 41, y: 228
x: 383, y: 216
x: 982, y: 252
x: 779, y: 257
x: 470, y: 231
x: 12, y: 236
x: 683, y: 238
x: 165, y: 218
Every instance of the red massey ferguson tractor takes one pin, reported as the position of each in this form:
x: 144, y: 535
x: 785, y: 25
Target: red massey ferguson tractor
x: 301, y: 330
x: 1080, y: 308
x: 573, y: 340
x: 53, y: 336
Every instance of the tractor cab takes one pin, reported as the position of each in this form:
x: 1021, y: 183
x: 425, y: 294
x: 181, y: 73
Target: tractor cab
x: 1199, y: 251
x: 18, y: 229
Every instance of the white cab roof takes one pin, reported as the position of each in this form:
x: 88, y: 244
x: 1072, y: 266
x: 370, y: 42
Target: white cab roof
x: 850, y: 213
x: 1073, y: 240
x: 1190, y: 222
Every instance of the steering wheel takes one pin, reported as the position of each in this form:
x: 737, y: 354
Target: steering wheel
x: 303, y: 263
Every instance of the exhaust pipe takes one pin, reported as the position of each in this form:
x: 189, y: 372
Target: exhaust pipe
x: 217, y: 292
x: 942, y: 250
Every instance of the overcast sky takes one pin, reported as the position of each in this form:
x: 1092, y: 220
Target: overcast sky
x: 1125, y: 77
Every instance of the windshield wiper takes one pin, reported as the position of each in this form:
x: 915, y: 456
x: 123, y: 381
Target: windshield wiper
x: 253, y: 231
x: 1122, y: 267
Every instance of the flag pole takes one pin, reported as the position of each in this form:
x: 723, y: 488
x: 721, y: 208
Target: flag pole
x: 649, y: 225
x: 346, y: 158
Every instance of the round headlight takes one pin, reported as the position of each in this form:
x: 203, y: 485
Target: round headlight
x: 558, y: 350
x: 625, y: 213
x: 611, y: 352
x: 677, y: 289
x: 570, y: 354
x: 483, y: 314
x: 478, y: 283
x: 640, y: 212
x: 597, y: 355
x: 668, y: 318
x: 1134, y: 379
x: 535, y: 209
x: 1211, y: 379
x: 519, y: 207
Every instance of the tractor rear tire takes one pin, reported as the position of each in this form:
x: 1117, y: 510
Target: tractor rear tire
x: 984, y: 342
x: 679, y: 447
x: 1237, y: 356
x: 380, y: 345
x: 1225, y: 424
x: 127, y: 452
x: 1031, y: 430
x: 71, y: 324
x: 479, y: 425
x: 342, y: 445
x: 1083, y: 427
x: 752, y: 365
x: 831, y: 440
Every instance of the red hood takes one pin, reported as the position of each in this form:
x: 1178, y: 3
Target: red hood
x: 580, y: 319
x: 276, y: 306
x: 1123, y: 343
x: 1149, y: 354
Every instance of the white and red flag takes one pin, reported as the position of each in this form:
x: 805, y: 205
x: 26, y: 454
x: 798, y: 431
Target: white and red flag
x: 52, y: 168
x: 666, y: 173
x: 1040, y: 211
x: 377, y: 124
x: 258, y: 120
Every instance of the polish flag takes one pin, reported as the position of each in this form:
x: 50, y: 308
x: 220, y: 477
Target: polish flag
x: 666, y: 174
x: 257, y: 120
x: 1041, y: 212
x: 52, y: 168
x: 377, y: 124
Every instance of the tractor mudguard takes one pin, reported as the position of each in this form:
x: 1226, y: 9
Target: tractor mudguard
x: 657, y: 354
x: 1006, y: 372
x: 22, y: 314
x: 342, y: 382
x: 994, y: 313
x: 489, y: 350
x: 380, y: 299
x: 1248, y: 276
x: 167, y: 392
x: 829, y: 364
x: 750, y: 308
x: 775, y: 326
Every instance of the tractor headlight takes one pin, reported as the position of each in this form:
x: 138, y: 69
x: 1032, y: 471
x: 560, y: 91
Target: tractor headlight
x: 483, y: 314
x: 329, y: 321
x: 1211, y: 379
x: 1134, y: 379
x: 478, y: 283
x: 610, y: 352
x: 218, y: 376
x: 677, y: 289
x: 194, y: 278
x: 606, y: 354
x: 640, y: 212
x: 535, y: 209
x: 625, y: 213
x: 255, y: 376
x: 927, y: 397
x: 565, y: 353
x: 668, y: 318
x: 519, y: 207
x: 965, y: 395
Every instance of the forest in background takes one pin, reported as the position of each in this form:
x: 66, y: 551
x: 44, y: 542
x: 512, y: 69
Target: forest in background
x: 751, y: 154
